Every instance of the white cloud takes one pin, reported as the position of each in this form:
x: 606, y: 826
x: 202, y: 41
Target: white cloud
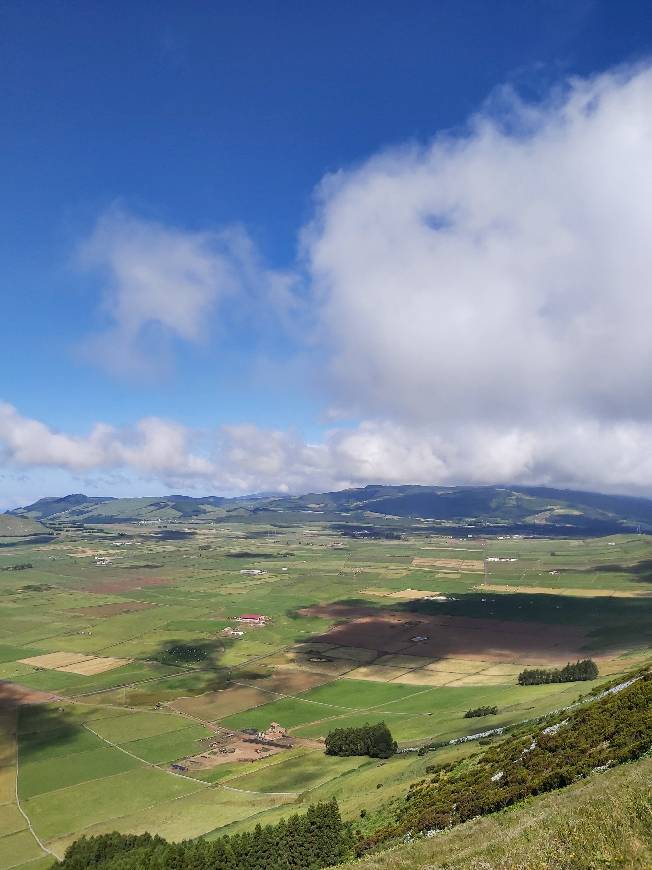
x: 162, y: 283
x: 153, y: 446
x: 245, y: 458
x: 501, y: 275
x: 583, y: 454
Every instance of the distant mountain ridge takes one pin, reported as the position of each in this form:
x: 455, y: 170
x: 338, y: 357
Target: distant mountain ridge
x: 489, y: 505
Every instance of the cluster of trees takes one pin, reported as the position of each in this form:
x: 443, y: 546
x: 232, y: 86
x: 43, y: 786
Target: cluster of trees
x: 613, y: 729
x: 317, y: 839
x: 480, y: 711
x: 376, y: 741
x: 570, y: 673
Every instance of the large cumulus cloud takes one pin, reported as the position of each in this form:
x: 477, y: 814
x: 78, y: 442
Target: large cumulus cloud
x: 503, y: 273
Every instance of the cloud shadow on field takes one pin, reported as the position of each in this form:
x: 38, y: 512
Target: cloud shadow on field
x: 199, y: 661
x: 33, y: 718
x: 639, y: 572
x: 504, y: 627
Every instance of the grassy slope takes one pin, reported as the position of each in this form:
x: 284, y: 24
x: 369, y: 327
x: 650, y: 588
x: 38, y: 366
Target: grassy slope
x: 20, y: 527
x: 604, y: 821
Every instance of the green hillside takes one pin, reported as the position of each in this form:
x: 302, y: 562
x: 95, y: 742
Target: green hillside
x: 490, y: 508
x: 613, y: 729
x: 603, y: 821
x: 12, y: 526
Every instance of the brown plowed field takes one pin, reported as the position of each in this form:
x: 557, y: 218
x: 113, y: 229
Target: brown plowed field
x: 288, y: 682
x: 13, y: 694
x: 216, y: 705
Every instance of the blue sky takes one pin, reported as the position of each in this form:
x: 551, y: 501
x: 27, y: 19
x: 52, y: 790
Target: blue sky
x: 197, y: 195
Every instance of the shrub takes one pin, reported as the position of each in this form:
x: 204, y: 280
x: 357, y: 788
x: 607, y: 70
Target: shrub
x: 376, y: 741
x: 480, y: 711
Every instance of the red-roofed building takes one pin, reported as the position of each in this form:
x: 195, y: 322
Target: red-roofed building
x: 252, y: 619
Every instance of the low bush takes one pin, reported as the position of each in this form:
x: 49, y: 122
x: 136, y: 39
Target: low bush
x: 480, y: 711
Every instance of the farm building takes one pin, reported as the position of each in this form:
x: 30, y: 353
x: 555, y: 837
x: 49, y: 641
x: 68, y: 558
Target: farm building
x: 252, y: 619
x: 273, y: 732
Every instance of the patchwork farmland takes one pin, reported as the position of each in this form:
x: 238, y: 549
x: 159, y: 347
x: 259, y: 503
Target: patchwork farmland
x: 131, y: 697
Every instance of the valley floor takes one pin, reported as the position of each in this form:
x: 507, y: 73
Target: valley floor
x: 135, y: 659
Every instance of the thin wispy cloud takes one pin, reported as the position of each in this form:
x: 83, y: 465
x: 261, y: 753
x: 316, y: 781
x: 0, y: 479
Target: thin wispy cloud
x: 158, y: 283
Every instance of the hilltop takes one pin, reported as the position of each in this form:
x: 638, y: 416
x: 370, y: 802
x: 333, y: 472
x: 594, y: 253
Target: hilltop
x: 531, y: 510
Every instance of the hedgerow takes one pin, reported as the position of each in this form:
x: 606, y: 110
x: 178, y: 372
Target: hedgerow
x: 570, y: 673
x: 480, y: 711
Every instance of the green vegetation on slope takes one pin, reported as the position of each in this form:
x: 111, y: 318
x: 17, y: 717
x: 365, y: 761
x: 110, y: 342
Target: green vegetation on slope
x: 20, y: 526
x: 602, y: 821
x: 615, y: 728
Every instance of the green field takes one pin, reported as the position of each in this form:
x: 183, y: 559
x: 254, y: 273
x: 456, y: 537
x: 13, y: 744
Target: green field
x: 333, y: 654
x: 37, y: 777
x: 72, y: 808
x: 297, y: 774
